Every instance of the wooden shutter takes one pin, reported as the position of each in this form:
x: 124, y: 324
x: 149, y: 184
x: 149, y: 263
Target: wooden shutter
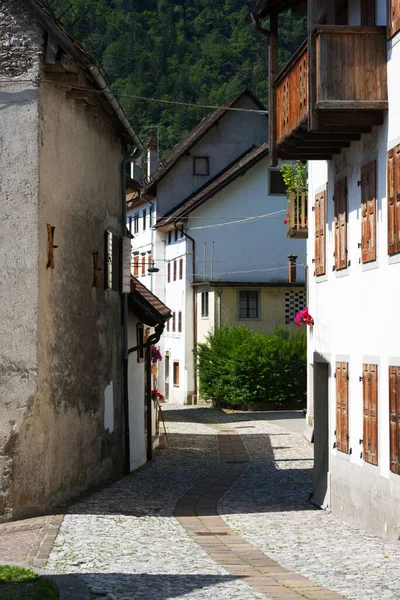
x: 136, y: 265
x: 149, y: 261
x: 393, y: 17
x: 143, y: 265
x: 370, y: 411
x: 394, y: 416
x: 368, y: 212
x: 173, y: 321
x: 320, y: 219
x: 340, y: 224
x: 174, y: 270
x: 368, y: 13
x: 179, y: 321
x: 181, y: 268
x: 342, y: 407
x: 393, y: 194
x: 169, y: 272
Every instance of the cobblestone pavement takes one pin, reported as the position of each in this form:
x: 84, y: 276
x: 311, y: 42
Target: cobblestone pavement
x: 125, y: 540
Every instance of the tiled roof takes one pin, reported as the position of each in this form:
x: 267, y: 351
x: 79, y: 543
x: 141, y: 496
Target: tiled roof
x: 151, y: 309
x: 224, y: 178
x: 193, y: 137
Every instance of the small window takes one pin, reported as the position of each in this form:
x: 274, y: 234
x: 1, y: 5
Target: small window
x: 204, y: 304
x: 173, y: 321
x: 276, y: 184
x: 181, y: 268
x: 201, y: 165
x: 136, y: 223
x: 174, y: 270
x: 144, y: 219
x: 140, y: 342
x: 180, y: 322
x: 248, y: 304
x: 176, y: 374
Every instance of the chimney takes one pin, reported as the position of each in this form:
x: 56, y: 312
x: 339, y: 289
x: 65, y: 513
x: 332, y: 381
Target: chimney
x: 152, y: 156
x: 136, y: 169
x: 292, y: 268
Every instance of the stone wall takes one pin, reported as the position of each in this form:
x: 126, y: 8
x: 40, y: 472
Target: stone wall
x: 20, y: 41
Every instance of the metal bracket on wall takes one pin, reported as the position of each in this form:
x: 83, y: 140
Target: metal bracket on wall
x: 50, y: 254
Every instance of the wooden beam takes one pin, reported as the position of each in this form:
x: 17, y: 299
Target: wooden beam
x: 272, y: 73
x: 312, y: 136
x: 288, y: 148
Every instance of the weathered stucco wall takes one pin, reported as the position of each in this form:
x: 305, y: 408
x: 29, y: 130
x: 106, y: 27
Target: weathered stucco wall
x: 19, y: 201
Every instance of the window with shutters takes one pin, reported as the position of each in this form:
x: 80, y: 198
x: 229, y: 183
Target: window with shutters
x: 169, y: 272
x: 393, y: 178
x: 340, y: 224
x: 393, y: 17
x: 180, y: 322
x: 342, y: 407
x: 174, y: 270
x: 176, y: 374
x: 394, y: 416
x: 181, y: 268
x: 368, y: 212
x: 320, y: 233
x: 370, y: 413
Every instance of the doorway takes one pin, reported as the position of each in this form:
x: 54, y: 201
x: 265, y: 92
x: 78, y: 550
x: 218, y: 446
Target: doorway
x: 321, y: 435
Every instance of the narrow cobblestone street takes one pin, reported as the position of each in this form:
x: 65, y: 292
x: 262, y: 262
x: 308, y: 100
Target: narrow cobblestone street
x: 222, y: 513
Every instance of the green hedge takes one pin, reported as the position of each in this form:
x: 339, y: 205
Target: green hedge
x: 239, y: 368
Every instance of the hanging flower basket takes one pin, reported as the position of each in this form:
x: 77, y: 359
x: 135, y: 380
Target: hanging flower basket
x: 303, y: 317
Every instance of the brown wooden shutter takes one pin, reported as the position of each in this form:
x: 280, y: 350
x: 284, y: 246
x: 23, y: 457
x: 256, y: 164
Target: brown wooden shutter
x: 174, y: 270
x: 320, y: 252
x: 392, y: 246
x: 336, y: 224
x: 393, y: 17
x: 169, y: 272
x: 342, y: 407
x: 368, y: 13
x: 136, y: 265
x: 149, y: 261
x: 368, y: 212
x: 370, y: 410
x: 143, y: 265
x: 340, y: 224
x: 397, y: 197
x: 394, y: 416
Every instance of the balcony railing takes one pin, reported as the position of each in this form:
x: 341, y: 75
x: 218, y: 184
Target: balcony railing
x: 292, y: 92
x: 297, y: 220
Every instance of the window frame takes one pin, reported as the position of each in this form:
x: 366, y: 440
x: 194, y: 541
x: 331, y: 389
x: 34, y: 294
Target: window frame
x: 136, y: 223
x: 204, y: 304
x: 248, y: 291
x: 207, y: 159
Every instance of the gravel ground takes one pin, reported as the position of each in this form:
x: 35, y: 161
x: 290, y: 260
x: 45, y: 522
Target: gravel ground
x: 269, y: 507
x: 125, y: 541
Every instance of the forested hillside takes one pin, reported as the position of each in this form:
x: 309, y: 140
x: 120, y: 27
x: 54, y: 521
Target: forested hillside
x: 198, y: 51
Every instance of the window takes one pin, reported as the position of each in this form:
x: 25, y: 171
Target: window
x: 368, y: 212
x: 340, y: 224
x: 176, y: 373
x: 181, y: 268
x: 394, y: 416
x: 368, y: 13
x: 169, y: 239
x: 173, y: 321
x: 140, y: 342
x: 342, y: 407
x: 180, y: 322
x: 370, y: 408
x: 393, y: 177
x: 248, y: 305
x: 320, y: 220
x: 136, y: 265
x: 176, y: 235
x: 174, y: 270
x: 201, y: 165
x: 169, y: 272
x: 112, y: 261
x: 294, y: 302
x: 149, y: 261
x: 204, y: 304
x: 341, y: 12
x: 150, y: 216
x: 143, y: 265
x: 136, y: 223
x: 393, y: 17
x: 144, y: 219
x: 276, y: 184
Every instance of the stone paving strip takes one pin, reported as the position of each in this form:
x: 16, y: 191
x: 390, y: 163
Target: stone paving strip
x: 125, y: 543
x: 269, y: 507
x: 197, y: 512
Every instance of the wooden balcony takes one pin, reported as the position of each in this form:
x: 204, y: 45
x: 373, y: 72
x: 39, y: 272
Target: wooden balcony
x: 297, y: 224
x: 329, y: 95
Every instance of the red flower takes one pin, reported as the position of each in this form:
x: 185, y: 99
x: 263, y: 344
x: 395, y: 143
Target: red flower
x: 285, y: 221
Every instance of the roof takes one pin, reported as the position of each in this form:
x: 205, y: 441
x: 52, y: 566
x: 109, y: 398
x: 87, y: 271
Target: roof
x: 65, y: 40
x: 262, y: 8
x: 193, y: 137
x: 237, y: 168
x: 150, y: 309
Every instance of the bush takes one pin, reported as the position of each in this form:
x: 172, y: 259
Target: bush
x: 239, y: 368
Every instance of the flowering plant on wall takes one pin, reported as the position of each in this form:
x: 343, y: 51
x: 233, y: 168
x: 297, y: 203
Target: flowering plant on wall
x: 155, y: 355
x: 303, y: 317
x: 156, y: 395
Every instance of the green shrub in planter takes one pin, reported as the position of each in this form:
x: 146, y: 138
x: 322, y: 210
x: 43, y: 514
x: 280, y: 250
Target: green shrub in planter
x: 239, y: 368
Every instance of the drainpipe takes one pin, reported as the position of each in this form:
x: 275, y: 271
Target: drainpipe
x: 255, y: 24
x: 127, y: 461
x: 194, y: 306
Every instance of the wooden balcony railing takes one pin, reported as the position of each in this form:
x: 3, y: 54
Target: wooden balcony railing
x: 351, y: 67
x: 292, y: 92
x: 297, y: 220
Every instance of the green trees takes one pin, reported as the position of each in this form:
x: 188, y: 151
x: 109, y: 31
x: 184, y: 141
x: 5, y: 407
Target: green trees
x: 239, y: 368
x: 199, y: 51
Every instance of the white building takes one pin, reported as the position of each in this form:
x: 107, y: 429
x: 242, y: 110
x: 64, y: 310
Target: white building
x: 348, y: 112
x: 220, y: 231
